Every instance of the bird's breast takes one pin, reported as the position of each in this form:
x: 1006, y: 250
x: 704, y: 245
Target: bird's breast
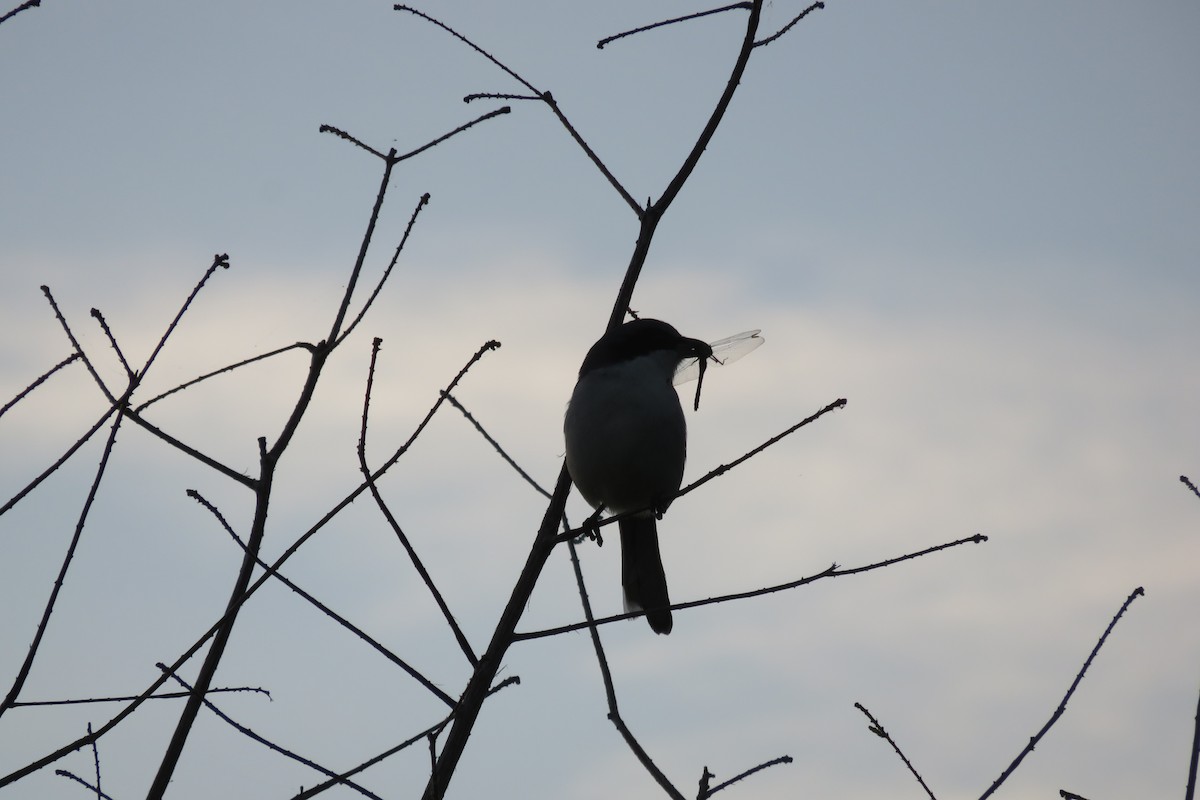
x: 626, y: 438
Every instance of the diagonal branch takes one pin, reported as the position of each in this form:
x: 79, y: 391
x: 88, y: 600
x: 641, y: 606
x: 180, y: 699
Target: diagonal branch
x: 654, y: 211
x: 229, y: 368
x: 687, y: 17
x: 27, y: 664
x: 1062, y: 707
x: 546, y: 97
x: 767, y: 40
x: 391, y: 519
x: 324, y: 609
x: 706, y: 792
x: 833, y: 571
x: 48, y: 471
x: 878, y: 729
x: 610, y: 693
x: 283, y: 751
x: 387, y: 272
x: 38, y: 382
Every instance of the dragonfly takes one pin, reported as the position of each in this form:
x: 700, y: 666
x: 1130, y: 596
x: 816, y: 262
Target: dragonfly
x: 724, y: 351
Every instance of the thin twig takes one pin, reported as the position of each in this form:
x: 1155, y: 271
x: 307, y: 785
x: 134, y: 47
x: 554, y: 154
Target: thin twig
x: 546, y: 97
x: 340, y: 506
x: 494, y: 113
x: 27, y: 664
x: 249, y: 592
x: 480, y: 682
x: 127, y: 698
x: 706, y: 792
x: 46, y: 473
x: 610, y: 694
x: 67, y: 774
x: 652, y: 214
x: 387, y: 272
x: 459, y: 636
x: 1191, y: 783
x: 341, y: 134
x: 878, y: 729
x: 1065, y: 795
x: 488, y: 438
x: 833, y: 571
x: 1058, y: 712
x: 112, y: 340
x: 221, y: 371
x: 789, y: 26
x: 348, y: 294
x: 721, y: 470
x: 434, y: 729
x: 606, y: 40
x: 716, y: 472
x: 324, y: 609
x: 267, y: 743
x: 38, y: 382
x: 471, y: 98
x: 96, y: 759
x: 1187, y: 482
x: 87, y: 362
x: 28, y: 4
x: 220, y: 261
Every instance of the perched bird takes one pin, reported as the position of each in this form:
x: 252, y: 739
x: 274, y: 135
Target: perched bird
x: 626, y: 442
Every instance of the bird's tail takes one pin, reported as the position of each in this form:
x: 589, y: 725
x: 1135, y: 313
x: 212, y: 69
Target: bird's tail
x: 642, y: 573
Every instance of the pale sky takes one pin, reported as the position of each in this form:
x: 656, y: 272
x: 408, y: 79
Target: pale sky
x: 976, y: 222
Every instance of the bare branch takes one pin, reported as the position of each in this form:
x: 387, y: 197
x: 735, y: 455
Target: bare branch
x: 438, y: 23
x: 470, y: 98
x: 878, y: 729
x: 324, y: 609
x: 112, y: 340
x: 488, y: 438
x: 721, y: 470
x: 87, y: 362
x: 28, y: 4
x: 654, y: 211
x: 546, y: 97
x: 834, y: 571
x: 610, y: 694
x: 222, y: 371
x: 1187, y: 482
x: 1058, y: 712
x: 38, y: 382
x: 387, y: 272
x: 220, y: 261
x: 395, y: 525
x: 1190, y: 794
x: 27, y: 664
x: 478, y: 687
x: 46, y: 473
x: 592, y: 526
x: 341, y: 134
x: 432, y: 730
x: 1063, y: 793
x: 789, y: 26
x: 705, y: 792
x: 227, y: 471
x: 266, y: 742
x: 64, y: 773
x: 125, y: 699
x: 600, y: 44
x: 495, y: 113
x: 96, y: 759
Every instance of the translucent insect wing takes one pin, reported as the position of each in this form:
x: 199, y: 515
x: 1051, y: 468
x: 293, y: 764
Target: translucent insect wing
x: 725, y: 351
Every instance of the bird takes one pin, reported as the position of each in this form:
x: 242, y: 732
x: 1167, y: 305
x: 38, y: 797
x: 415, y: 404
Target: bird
x: 626, y: 443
